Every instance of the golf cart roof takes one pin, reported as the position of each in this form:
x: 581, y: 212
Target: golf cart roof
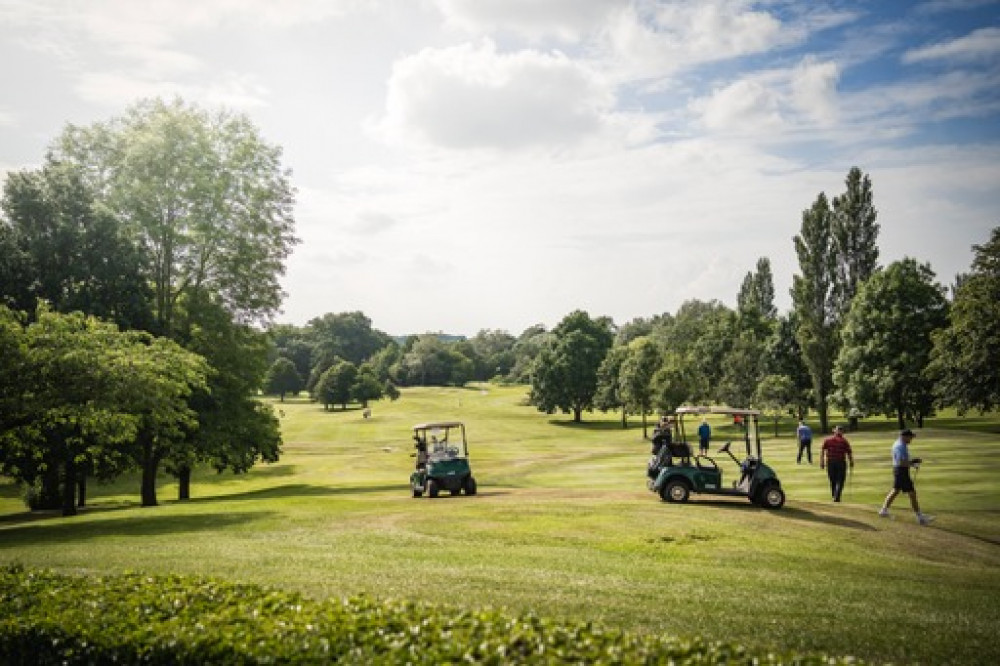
x: 437, y: 424
x: 704, y: 409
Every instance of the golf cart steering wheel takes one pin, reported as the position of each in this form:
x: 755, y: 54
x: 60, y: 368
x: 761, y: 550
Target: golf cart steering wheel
x: 725, y: 447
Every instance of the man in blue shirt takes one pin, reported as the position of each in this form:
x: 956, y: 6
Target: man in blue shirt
x: 901, y: 481
x: 805, y: 435
x: 704, y: 435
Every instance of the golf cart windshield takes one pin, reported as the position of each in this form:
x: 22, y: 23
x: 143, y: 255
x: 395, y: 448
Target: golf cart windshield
x: 444, y: 441
x: 747, y: 420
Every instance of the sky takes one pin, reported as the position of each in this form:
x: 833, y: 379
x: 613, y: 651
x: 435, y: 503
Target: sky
x: 467, y: 165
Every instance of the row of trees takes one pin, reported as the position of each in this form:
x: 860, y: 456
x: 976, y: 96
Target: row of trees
x: 170, y: 225
x: 860, y: 336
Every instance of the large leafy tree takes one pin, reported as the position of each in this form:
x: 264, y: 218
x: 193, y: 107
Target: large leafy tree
x: 282, y: 378
x: 564, y: 375
x: 235, y: 430
x: 59, y: 245
x: 347, y: 335
x: 855, y: 239
x: 335, y: 385
x: 814, y: 301
x: 206, y: 196
x: 85, y: 394
x: 886, y: 342
x: 965, y: 365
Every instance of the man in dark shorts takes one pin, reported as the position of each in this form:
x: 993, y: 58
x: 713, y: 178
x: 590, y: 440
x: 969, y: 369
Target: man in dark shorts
x: 901, y: 481
x: 835, y: 455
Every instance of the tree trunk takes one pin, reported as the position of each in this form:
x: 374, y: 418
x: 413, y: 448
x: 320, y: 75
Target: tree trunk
x: 577, y: 415
x: 69, y: 487
x: 48, y: 495
x: 150, y: 461
x: 81, y: 490
x: 184, y: 482
x: 645, y: 433
x: 624, y: 418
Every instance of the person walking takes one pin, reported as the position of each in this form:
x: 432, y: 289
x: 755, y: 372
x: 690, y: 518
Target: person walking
x: 901, y: 481
x: 835, y: 455
x: 805, y: 436
x: 704, y: 436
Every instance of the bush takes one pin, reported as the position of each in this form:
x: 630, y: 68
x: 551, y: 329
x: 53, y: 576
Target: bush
x: 51, y: 618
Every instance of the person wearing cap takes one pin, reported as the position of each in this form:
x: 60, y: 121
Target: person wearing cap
x: 901, y: 481
x: 835, y: 456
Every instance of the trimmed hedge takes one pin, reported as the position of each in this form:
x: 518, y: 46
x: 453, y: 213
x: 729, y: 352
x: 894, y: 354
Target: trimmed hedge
x: 53, y: 618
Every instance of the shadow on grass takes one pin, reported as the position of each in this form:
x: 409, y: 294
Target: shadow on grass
x: 140, y: 523
x: 598, y: 426
x: 825, y: 519
x: 298, y: 490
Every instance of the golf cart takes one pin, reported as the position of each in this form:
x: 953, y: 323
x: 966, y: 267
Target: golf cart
x: 674, y: 473
x: 442, y: 460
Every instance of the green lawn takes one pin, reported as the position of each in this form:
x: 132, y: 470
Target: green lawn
x: 564, y: 526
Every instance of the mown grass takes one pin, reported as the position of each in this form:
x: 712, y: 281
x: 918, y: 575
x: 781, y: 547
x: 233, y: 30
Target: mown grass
x: 565, y: 527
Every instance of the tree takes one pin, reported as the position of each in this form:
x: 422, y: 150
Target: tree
x: 783, y: 357
x: 496, y: 350
x: 964, y: 360
x: 887, y: 342
x: 529, y: 344
x: 234, y: 428
x: 348, y: 336
x: 776, y: 396
x: 61, y: 246
x: 814, y: 303
x: 643, y: 359
x: 564, y: 375
x: 85, y: 393
x: 282, y: 378
x: 672, y: 383
x: 855, y: 239
x: 756, y: 296
x: 335, y: 385
x: 204, y: 194
x: 609, y: 392
x: 367, y: 386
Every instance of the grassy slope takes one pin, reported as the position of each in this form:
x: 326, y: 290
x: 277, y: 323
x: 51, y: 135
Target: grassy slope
x: 564, y: 526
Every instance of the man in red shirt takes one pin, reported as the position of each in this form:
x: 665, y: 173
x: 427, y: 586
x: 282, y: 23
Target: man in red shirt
x: 835, y: 456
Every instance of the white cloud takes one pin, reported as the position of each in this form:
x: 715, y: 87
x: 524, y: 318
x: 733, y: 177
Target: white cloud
x: 566, y: 20
x: 980, y: 45
x: 766, y: 103
x: 471, y: 96
x: 651, y: 40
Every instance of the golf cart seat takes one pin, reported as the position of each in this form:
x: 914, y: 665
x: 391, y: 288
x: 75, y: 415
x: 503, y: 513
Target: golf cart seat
x: 681, y: 450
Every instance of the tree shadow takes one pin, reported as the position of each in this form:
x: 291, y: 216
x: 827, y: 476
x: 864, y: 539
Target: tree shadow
x: 598, y: 426
x: 142, y: 523
x: 297, y: 490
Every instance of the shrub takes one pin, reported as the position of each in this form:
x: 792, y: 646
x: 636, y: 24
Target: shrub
x: 52, y: 618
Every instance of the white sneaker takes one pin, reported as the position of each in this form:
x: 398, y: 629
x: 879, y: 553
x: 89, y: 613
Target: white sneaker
x: 883, y: 512
x: 924, y: 519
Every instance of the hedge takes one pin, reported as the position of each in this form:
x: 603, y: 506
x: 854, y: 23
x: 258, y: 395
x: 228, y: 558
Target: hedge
x: 55, y: 618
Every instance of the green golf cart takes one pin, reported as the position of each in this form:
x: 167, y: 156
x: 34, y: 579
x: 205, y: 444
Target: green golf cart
x: 442, y: 454
x: 674, y: 473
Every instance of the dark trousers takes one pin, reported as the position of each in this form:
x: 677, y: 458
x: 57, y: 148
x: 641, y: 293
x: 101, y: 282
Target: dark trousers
x: 837, y: 471
x: 805, y: 445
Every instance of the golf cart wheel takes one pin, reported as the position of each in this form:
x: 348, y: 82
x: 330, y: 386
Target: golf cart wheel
x: 432, y: 488
x: 469, y: 486
x: 772, y: 497
x: 675, y: 491
x: 417, y: 492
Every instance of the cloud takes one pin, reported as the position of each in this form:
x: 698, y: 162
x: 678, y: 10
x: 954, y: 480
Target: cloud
x: 370, y: 223
x: 566, y: 20
x: 767, y: 102
x: 471, y: 96
x: 651, y: 40
x: 980, y: 45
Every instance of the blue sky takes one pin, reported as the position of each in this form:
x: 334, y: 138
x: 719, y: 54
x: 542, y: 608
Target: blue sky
x: 492, y: 164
